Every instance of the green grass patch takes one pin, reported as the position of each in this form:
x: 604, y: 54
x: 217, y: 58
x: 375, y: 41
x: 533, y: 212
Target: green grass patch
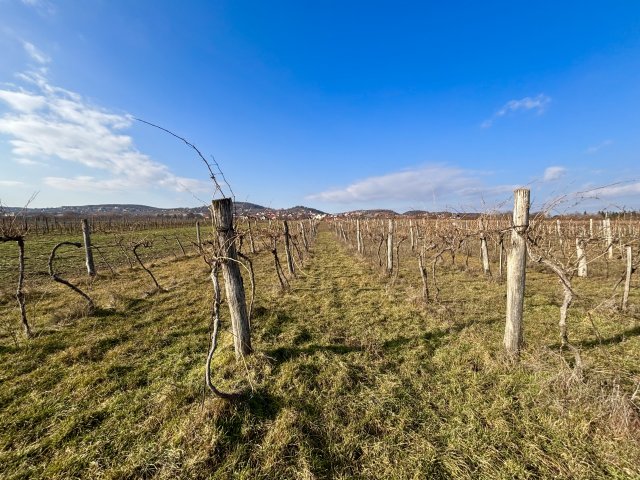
x: 350, y: 379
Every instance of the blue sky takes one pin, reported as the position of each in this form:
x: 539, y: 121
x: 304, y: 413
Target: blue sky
x: 425, y: 105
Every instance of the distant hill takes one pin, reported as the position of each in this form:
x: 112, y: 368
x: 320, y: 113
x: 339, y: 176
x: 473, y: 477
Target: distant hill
x: 416, y: 213
x: 241, y: 209
x: 369, y: 213
x: 112, y: 209
x: 300, y: 210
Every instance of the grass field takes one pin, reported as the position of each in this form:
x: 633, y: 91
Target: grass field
x: 350, y: 379
x: 107, y: 253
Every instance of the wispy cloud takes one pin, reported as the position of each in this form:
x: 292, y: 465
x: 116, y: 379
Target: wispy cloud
x: 23, y: 102
x: 30, y: 162
x: 553, y: 173
x: 43, y: 7
x: 35, y: 54
x: 414, y: 185
x: 10, y: 183
x: 539, y: 104
x: 620, y: 190
x: 51, y: 124
x: 596, y: 148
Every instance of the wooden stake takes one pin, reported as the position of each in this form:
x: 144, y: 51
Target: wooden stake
x: 86, y: 235
x: 223, y: 221
x: 287, y: 249
x: 484, y: 253
x: 627, y: 281
x: 390, y: 247
x: 582, y: 257
x: 516, y: 273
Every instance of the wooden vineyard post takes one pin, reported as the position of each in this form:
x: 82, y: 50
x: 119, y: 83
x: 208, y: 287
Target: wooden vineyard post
x: 501, y: 259
x: 516, y: 272
x: 484, y: 253
x: 252, y: 245
x: 412, y: 236
x: 423, y: 276
x: 582, y: 257
x: 305, y: 242
x: 627, y: 280
x: 390, y: 247
x: 234, y: 287
x: 359, y: 236
x: 608, y: 237
x: 86, y: 236
x: 198, y: 238
x: 287, y: 249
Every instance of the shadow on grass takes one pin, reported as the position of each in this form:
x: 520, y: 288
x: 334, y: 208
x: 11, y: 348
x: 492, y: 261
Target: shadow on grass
x: 284, y: 354
x: 135, y: 305
x: 432, y: 337
x: 8, y: 349
x: 246, y: 408
x: 100, y: 312
x: 632, y: 332
x: 260, y: 404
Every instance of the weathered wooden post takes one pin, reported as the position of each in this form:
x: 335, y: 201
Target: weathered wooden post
x: 516, y: 272
x: 582, y: 257
x: 305, y: 242
x: 86, y: 235
x: 423, y: 275
x: 287, y: 248
x: 608, y: 236
x: 501, y: 253
x: 358, y: 236
x: 412, y: 236
x: 234, y: 287
x: 484, y: 253
x: 390, y: 247
x: 252, y: 245
x: 559, y: 231
x: 198, y: 239
x: 627, y: 280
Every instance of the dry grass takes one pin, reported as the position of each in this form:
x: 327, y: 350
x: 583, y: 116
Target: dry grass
x: 350, y: 380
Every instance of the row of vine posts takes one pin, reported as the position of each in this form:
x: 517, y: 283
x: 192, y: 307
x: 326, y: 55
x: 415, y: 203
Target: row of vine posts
x: 564, y: 247
x: 223, y: 253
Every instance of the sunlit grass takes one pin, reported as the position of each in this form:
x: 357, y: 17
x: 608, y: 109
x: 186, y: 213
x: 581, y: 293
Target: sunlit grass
x: 350, y: 379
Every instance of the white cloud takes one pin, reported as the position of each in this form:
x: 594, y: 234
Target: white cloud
x: 21, y: 101
x: 10, y: 183
x: 553, y: 173
x: 29, y: 162
x: 538, y: 103
x: 88, y: 183
x: 50, y: 123
x: 43, y: 7
x: 35, y: 54
x: 628, y: 189
x: 595, y: 148
x: 414, y: 185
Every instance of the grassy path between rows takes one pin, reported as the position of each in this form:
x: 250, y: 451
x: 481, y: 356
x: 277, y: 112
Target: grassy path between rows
x: 348, y: 381
x: 377, y: 387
